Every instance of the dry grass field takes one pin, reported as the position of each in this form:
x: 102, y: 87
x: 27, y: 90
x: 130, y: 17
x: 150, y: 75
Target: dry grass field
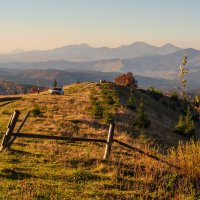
x: 49, y: 169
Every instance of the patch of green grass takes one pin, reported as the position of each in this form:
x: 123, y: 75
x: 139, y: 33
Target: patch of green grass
x: 82, y: 175
x: 36, y: 111
x: 6, y: 112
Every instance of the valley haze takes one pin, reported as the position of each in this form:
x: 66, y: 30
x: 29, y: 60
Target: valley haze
x: 158, y: 65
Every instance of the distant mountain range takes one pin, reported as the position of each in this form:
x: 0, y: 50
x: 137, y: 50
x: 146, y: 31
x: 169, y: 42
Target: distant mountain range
x: 84, y: 52
x: 159, y: 63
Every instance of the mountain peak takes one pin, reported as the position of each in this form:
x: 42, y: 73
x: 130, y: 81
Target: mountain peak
x: 139, y: 44
x: 84, y: 45
x: 75, y: 45
x: 169, y: 45
x: 17, y: 51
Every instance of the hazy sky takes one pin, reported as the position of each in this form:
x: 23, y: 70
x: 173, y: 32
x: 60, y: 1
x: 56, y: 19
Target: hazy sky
x: 44, y: 24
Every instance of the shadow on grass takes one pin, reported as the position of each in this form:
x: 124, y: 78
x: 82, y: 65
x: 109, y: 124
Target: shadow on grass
x: 10, y: 99
x: 13, y: 174
x: 6, y: 103
x: 20, y: 152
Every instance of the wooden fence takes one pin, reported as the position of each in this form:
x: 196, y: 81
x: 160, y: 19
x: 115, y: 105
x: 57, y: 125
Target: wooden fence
x: 10, y: 137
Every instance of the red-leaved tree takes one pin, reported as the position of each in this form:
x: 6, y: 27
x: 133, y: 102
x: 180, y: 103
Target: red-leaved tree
x: 127, y: 79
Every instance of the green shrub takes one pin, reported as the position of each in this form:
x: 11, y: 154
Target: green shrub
x: 97, y: 109
x: 174, y: 97
x: 185, y: 125
x: 196, y: 101
x: 105, y: 103
x: 142, y: 120
x: 107, y: 117
x: 155, y: 93
x: 131, y: 102
x: 36, y: 111
x: 81, y: 175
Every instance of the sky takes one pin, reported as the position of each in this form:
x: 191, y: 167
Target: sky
x: 47, y: 24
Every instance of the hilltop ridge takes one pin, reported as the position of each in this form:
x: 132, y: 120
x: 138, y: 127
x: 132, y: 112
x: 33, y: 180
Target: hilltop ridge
x: 53, y: 169
x: 163, y: 113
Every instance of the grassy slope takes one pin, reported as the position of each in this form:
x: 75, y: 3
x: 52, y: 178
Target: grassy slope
x: 41, y: 169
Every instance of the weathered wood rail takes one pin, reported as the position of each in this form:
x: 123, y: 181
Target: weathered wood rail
x: 10, y: 137
x: 52, y: 137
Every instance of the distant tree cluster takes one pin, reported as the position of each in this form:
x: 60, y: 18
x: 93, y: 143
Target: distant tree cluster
x: 127, y: 79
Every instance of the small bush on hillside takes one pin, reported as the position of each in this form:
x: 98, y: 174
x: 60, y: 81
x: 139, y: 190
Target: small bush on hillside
x: 196, y: 101
x: 131, y: 102
x: 97, y: 109
x: 155, y: 93
x: 110, y: 102
x: 142, y: 121
x: 104, y: 104
x: 185, y: 124
x: 108, y: 117
x: 109, y: 97
x: 174, y: 97
x: 36, y: 112
x: 164, y: 103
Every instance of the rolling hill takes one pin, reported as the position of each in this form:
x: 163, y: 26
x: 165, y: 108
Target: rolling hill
x: 64, y: 77
x: 42, y: 169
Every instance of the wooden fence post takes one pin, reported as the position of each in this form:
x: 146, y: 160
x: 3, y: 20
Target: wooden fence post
x: 18, y: 130
x: 10, y: 128
x: 109, y: 141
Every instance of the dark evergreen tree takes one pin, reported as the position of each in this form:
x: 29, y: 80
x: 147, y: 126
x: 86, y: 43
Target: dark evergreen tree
x: 110, y: 102
x: 55, y: 84
x: 97, y: 109
x: 105, y: 103
x: 185, y: 125
x: 25, y: 91
x: 131, y: 102
x: 142, y: 121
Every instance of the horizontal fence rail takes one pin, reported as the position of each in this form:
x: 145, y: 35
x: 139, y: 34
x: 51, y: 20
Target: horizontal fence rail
x: 53, y: 137
x: 10, y: 136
